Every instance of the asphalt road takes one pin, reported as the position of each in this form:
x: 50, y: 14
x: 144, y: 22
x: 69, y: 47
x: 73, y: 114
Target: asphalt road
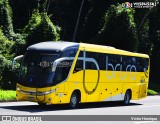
x: 147, y: 106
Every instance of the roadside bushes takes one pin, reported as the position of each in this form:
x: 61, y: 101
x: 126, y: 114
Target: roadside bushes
x: 39, y: 28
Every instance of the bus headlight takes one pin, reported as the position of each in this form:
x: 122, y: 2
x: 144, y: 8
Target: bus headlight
x: 18, y: 88
x: 48, y: 92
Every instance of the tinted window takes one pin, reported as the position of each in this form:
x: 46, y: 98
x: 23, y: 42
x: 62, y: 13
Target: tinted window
x: 142, y: 64
x: 46, y: 61
x: 36, y: 69
x: 90, y: 66
x: 80, y: 54
x: 117, y: 62
x: 79, y: 63
x: 62, y: 71
x: 114, y: 60
x: 78, y: 66
x: 69, y: 52
x: 128, y: 61
x: 99, y: 57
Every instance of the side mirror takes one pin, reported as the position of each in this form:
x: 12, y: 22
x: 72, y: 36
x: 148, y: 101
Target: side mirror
x: 14, y: 60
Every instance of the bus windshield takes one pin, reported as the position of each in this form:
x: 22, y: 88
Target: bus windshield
x: 37, y: 68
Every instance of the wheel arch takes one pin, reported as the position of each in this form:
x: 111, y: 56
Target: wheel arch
x: 129, y: 90
x: 78, y: 92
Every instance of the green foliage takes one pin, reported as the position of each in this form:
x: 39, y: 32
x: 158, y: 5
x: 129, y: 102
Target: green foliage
x: 7, y: 28
x: 40, y: 28
x: 33, y: 23
x: 6, y: 21
x: 64, y: 13
x: 118, y: 29
x: 151, y: 92
x: 8, y: 78
x: 145, y: 45
x: 154, y: 35
x: 22, y: 12
x: 7, y: 95
x: 5, y: 63
x: 5, y: 45
x: 6, y: 13
x: 155, y: 86
x: 93, y: 19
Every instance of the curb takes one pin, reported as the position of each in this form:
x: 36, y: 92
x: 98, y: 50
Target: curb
x: 8, y: 101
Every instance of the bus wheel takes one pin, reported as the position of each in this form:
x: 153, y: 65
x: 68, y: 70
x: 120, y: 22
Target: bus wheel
x: 127, y: 98
x: 74, y: 101
x: 42, y: 104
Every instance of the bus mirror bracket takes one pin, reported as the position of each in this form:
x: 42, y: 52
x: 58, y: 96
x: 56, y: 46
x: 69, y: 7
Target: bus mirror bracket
x: 14, y: 60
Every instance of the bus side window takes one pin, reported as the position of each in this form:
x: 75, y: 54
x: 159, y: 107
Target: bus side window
x: 100, y: 59
x: 78, y: 66
x: 62, y: 71
x: 80, y: 54
x: 114, y: 60
x: 146, y: 63
x: 127, y: 62
x: 142, y: 64
x: 90, y: 66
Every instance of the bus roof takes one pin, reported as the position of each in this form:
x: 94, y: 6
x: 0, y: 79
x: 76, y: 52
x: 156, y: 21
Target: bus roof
x: 51, y: 45
x: 62, y: 45
x: 111, y: 50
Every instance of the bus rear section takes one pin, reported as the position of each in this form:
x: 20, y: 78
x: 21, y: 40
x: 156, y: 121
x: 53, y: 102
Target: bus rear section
x: 110, y: 75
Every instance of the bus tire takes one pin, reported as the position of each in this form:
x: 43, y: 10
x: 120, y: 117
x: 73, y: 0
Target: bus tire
x: 74, y: 100
x: 127, y: 98
x: 42, y: 104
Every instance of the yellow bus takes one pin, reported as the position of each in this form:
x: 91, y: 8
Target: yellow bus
x: 73, y: 73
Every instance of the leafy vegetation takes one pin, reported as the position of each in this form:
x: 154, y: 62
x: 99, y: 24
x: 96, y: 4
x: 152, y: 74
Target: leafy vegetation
x: 152, y: 92
x: 39, y: 28
x: 121, y: 22
x: 7, y: 95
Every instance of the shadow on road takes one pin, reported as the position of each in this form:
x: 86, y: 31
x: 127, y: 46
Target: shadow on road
x: 37, y: 108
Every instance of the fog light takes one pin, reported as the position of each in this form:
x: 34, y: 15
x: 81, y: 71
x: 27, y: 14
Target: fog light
x: 18, y: 88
